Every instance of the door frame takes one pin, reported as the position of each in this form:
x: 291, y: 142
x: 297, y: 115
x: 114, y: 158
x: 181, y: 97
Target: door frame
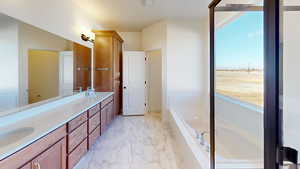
x: 272, y: 113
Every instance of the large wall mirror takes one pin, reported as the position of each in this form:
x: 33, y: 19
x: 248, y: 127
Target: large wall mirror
x: 36, y: 65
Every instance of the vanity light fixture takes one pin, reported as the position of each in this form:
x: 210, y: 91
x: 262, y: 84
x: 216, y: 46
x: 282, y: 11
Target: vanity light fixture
x: 87, y: 39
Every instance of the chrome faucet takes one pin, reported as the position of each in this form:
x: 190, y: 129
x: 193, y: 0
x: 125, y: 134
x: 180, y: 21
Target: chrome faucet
x: 80, y: 90
x: 90, y: 92
x: 200, y: 137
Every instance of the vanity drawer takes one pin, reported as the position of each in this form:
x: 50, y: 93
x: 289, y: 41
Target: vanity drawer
x: 73, y: 124
x: 94, y: 136
x: 77, y: 136
x: 94, y: 110
x: 106, y: 101
x: 77, y: 154
x: 94, y: 122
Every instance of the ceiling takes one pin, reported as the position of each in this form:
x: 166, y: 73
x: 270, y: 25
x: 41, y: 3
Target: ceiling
x: 134, y: 15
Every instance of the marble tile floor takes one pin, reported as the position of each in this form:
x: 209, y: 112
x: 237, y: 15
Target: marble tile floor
x: 139, y: 142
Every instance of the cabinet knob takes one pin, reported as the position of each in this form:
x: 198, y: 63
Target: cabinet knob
x: 125, y: 87
x: 37, y: 165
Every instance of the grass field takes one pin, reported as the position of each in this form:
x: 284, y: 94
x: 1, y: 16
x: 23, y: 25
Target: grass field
x: 241, y: 84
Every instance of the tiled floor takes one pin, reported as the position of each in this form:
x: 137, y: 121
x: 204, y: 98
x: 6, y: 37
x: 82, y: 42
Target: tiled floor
x: 140, y: 142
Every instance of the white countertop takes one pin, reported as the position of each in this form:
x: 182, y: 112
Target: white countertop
x: 44, y: 119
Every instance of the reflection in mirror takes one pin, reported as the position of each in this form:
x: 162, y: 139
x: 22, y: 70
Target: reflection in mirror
x: 35, y: 65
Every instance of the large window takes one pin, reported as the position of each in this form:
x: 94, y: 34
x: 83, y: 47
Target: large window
x: 239, y: 58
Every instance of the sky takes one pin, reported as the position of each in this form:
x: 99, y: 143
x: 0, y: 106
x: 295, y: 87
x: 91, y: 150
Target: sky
x: 239, y: 44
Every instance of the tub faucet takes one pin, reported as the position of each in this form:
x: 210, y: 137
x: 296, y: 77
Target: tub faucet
x: 202, y: 140
x: 200, y: 137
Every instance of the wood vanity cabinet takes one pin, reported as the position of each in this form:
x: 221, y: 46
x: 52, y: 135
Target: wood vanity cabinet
x: 94, y: 125
x: 64, y: 147
x: 108, y: 59
x: 48, y: 152
x: 53, y: 158
x: 77, y: 154
x: 107, y: 113
x: 77, y: 139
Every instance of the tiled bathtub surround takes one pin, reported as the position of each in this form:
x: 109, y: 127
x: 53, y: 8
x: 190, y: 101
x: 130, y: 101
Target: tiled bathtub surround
x: 141, y: 142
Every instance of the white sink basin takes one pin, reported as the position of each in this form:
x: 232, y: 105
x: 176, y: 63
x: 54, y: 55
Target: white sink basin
x: 12, y: 136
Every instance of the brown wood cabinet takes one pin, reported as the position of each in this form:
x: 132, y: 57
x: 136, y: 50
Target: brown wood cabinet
x: 77, y: 154
x: 108, y: 59
x: 73, y: 124
x: 76, y: 137
x: 49, y: 149
x: 64, y: 147
x: 82, y: 66
x: 94, y: 136
x: 107, y: 116
x: 53, y: 158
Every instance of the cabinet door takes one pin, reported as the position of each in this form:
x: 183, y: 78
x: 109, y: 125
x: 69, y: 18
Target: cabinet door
x: 117, y: 97
x: 103, y: 119
x: 103, y: 63
x: 54, y: 158
x: 118, y: 56
x: 111, y: 109
x: 82, y: 66
x: 108, y: 115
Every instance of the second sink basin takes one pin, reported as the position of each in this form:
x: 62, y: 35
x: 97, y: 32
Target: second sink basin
x: 12, y: 136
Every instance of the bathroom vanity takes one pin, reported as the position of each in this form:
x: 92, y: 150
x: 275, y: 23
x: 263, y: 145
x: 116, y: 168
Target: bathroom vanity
x: 56, y: 137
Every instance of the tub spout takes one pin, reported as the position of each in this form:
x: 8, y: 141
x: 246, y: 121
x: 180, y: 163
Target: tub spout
x: 202, y: 140
x: 200, y: 137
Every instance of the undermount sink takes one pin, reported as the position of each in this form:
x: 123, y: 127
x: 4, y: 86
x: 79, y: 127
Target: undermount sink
x: 12, y: 136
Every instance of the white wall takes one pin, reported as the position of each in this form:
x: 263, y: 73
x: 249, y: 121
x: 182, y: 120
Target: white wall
x: 9, y: 63
x: 132, y: 40
x: 154, y: 80
x: 187, y: 70
x: 185, y: 80
x: 291, y: 79
x: 61, y: 17
x: 185, y: 63
x: 154, y: 37
x: 33, y: 38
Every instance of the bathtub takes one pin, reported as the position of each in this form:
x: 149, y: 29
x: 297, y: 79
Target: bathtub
x: 235, y: 146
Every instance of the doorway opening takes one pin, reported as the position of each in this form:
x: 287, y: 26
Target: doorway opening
x: 154, y: 81
x: 142, y: 82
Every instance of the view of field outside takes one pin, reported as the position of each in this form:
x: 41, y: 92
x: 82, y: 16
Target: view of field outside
x: 239, y: 58
x: 243, y: 85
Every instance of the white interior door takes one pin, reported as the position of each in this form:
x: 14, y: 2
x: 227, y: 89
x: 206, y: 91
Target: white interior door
x: 134, y: 83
